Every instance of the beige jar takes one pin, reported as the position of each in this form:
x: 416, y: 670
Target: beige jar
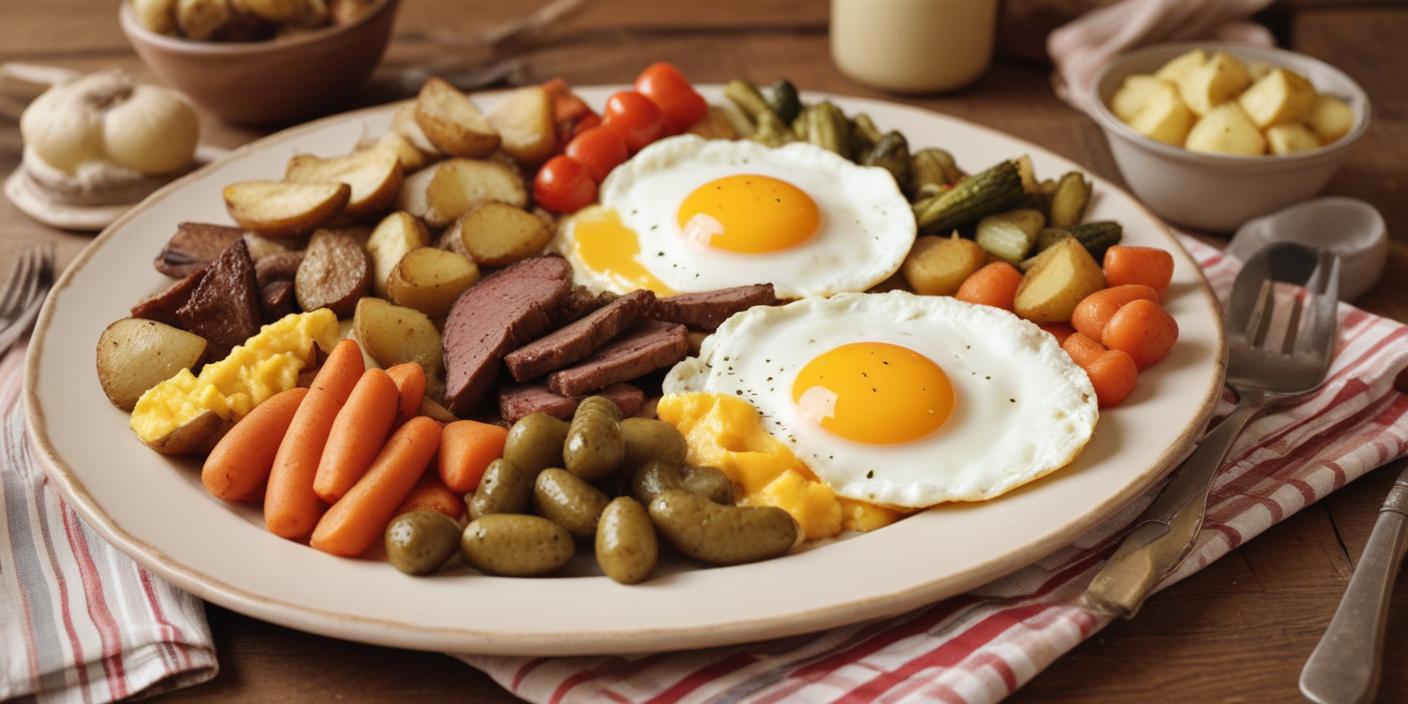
x: 913, y: 46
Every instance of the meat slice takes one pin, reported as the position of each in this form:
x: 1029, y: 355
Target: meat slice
x: 648, y: 346
x: 195, y: 245
x: 277, y: 299
x: 579, y: 303
x: 518, y: 401
x: 579, y: 339
x: 706, y: 310
x: 162, y: 305
x: 502, y: 312
x: 224, y: 308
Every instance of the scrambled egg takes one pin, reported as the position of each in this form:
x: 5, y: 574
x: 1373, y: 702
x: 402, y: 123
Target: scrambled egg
x: 726, y: 432
x: 263, y: 366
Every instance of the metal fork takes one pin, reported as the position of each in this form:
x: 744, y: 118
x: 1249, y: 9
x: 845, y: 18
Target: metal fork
x: 1261, y: 371
x: 30, y: 280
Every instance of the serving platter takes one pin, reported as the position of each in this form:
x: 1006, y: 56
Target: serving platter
x: 155, y: 509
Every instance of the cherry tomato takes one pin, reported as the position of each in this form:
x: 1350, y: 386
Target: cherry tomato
x: 587, y: 122
x: 563, y: 186
x: 672, y: 93
x: 599, y: 149
x: 635, y: 118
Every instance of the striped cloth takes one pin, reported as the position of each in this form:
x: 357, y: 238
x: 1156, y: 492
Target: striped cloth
x: 982, y: 646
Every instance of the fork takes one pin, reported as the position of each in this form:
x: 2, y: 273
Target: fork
x: 1261, y: 370
x: 29, y: 282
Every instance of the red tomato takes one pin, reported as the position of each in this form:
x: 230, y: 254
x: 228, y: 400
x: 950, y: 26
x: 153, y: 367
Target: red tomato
x: 672, y: 93
x: 563, y: 186
x: 599, y: 149
x: 635, y: 118
x: 587, y: 122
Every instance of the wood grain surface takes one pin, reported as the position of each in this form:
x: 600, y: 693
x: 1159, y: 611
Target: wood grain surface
x: 1237, y: 631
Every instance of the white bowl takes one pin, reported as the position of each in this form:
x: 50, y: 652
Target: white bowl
x: 1214, y: 191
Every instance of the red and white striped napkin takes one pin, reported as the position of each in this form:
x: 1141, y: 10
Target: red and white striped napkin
x: 80, y: 622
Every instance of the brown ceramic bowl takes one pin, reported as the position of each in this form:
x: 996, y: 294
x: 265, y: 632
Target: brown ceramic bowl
x: 272, y: 81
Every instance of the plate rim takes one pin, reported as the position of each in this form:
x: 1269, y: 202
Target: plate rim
x: 440, y: 638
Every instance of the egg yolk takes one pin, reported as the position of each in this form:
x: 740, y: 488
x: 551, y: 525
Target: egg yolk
x: 605, y: 245
x: 748, y: 214
x: 874, y: 393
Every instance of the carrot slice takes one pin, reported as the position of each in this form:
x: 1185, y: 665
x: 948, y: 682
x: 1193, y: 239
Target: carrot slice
x: 291, y: 508
x: 340, y: 371
x: 466, y: 449
x: 431, y: 494
x: 410, y: 384
x: 358, y: 519
x: 357, y: 434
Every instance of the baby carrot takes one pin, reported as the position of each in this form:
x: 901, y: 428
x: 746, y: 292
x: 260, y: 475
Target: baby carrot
x: 1150, y: 266
x: 1143, y: 329
x: 993, y: 285
x: 1060, y: 330
x: 239, y: 465
x: 357, y: 434
x: 1113, y: 374
x: 341, y: 370
x: 431, y: 494
x: 358, y: 519
x: 1094, y: 311
x: 466, y: 449
x: 410, y: 385
x: 1082, y: 349
x: 291, y: 509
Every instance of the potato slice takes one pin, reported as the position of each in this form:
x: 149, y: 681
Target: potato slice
x: 429, y: 280
x: 196, y: 437
x: 278, y: 209
x: 497, y: 234
x: 411, y: 158
x: 1135, y: 93
x: 136, y: 354
x: 334, y: 273
x: 1182, y: 66
x: 1278, y: 97
x: 937, y: 266
x: 1226, y: 130
x: 452, y: 123
x: 1330, y: 118
x: 524, y: 121
x: 374, y: 175
x: 1219, y: 80
x: 441, y: 194
x: 1164, y: 118
x: 1291, y: 138
x: 393, y: 334
x: 396, y: 234
x: 1061, y: 277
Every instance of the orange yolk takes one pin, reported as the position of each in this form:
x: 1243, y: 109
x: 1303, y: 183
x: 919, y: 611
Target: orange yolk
x: 608, y: 247
x: 874, y: 393
x: 748, y: 214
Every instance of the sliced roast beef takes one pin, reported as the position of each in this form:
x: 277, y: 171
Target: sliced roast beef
x: 195, y: 245
x: 706, y: 310
x: 648, y: 346
x: 579, y: 303
x: 277, y: 299
x: 162, y: 305
x: 224, y: 308
x: 518, y: 401
x: 577, y: 340
x: 502, y: 312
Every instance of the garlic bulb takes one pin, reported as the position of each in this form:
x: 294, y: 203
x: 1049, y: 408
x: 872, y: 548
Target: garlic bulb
x: 106, y: 116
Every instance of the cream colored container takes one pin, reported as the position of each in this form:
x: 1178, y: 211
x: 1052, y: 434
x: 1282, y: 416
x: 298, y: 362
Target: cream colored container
x: 913, y: 46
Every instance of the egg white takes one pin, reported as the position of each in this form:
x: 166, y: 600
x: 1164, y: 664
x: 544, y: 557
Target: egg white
x: 1023, y: 407
x: 865, y: 231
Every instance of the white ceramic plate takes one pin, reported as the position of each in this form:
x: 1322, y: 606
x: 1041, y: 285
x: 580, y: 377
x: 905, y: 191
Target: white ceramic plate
x: 155, y: 509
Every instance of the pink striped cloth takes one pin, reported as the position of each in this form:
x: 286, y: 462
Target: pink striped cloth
x: 982, y: 646
x: 79, y: 621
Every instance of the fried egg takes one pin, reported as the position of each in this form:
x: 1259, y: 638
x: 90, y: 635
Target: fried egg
x: 902, y: 400
x: 689, y: 214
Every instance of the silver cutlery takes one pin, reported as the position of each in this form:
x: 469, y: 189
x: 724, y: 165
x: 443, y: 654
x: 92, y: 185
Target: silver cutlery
x: 1263, y: 368
x: 30, y: 280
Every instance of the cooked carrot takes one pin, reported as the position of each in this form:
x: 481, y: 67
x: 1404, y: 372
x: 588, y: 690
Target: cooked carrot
x: 1060, y: 330
x: 410, y: 385
x: 1113, y: 374
x: 1150, y: 266
x: 358, y: 519
x: 341, y: 370
x: 1144, y: 330
x: 238, y: 466
x: 993, y: 285
x: 1094, y: 311
x: 466, y: 449
x: 291, y: 509
x: 431, y: 494
x: 1082, y: 349
x: 358, y: 433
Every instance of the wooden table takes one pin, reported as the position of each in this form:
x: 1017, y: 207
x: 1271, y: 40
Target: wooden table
x: 1237, y: 631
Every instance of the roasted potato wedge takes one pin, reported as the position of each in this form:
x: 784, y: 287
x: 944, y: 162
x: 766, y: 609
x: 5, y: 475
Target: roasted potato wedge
x: 524, y: 121
x: 393, y: 334
x: 1226, y: 130
x: 407, y: 154
x: 1291, y: 138
x: 197, y: 437
x: 1219, y: 80
x: 1279, y: 97
x: 497, y: 234
x: 1181, y: 66
x: 1135, y: 93
x: 429, y: 280
x: 452, y: 123
x: 374, y: 175
x: 334, y: 273
x: 439, y: 195
x: 396, y: 234
x: 937, y: 266
x: 1060, y: 278
x: 1330, y: 118
x: 135, y: 354
x: 1164, y: 117
x: 278, y: 209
